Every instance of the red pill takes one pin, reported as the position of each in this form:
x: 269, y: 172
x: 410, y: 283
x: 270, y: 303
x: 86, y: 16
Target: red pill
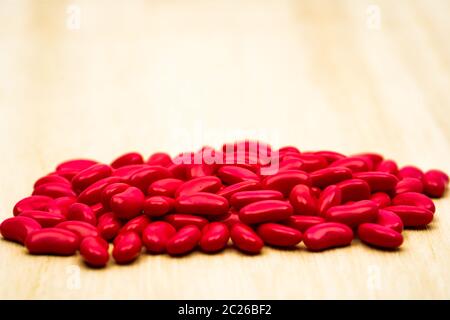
x: 127, y: 247
x: 199, y: 170
x: 353, y: 214
x: 354, y: 190
x: 52, y: 179
x: 378, y: 181
x: 158, y: 206
x: 80, y: 228
x: 69, y: 169
x: 327, y: 235
x: 179, y: 220
x: 215, y: 237
x: 412, y: 216
x: 328, y: 176
x: 290, y: 164
x: 302, y: 223
x: 127, y: 159
x: 126, y: 172
x: 243, y: 198
x: 108, y: 226
x: 434, y: 183
x: 61, y: 205
x: 381, y: 199
x: 410, y: 172
x: 94, y: 251
x: 330, y: 197
x: 312, y: 162
x: 414, y: 199
x: 379, y: 236
x: 278, y: 235
x: 235, y: 174
x: 228, y: 191
x: 388, y: 166
x: 303, y: 201
x: 90, y: 175
x: 164, y: 187
x: 245, y: 239
x: 32, y: 203
x: 143, y: 178
x: 127, y: 204
x: 202, y: 203
x: 137, y: 225
x: 52, y: 241
x: 160, y: 159
x: 230, y: 219
x: 389, y: 219
x: 374, y: 158
x: 178, y: 171
x: 45, y: 219
x: 355, y: 164
x: 54, y: 190
x: 92, y: 194
x: 156, y: 234
x: 18, y: 228
x: 81, y: 212
x: 209, y: 184
x: 286, y: 180
x: 409, y: 185
x: 265, y: 211
x: 184, y: 241
x: 110, y: 190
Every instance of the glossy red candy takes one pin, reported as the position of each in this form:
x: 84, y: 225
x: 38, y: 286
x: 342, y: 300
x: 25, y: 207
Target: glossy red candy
x: 355, y: 164
x: 70, y: 168
x: 199, y: 170
x: 388, y: 166
x: 379, y: 236
x: 54, y: 190
x: 110, y: 190
x: 52, y: 179
x: 45, y: 219
x: 92, y: 194
x: 180, y: 220
x: 184, y: 241
x: 235, y: 174
x: 331, y: 175
x: 94, y: 251
x: 160, y: 159
x: 137, y: 224
x: 164, y: 187
x: 435, y: 183
x: 18, y: 228
x: 126, y: 172
x: 202, y: 203
x: 90, y: 175
x: 303, y: 201
x: 80, y: 228
x: 382, y: 199
x: 127, y: 247
x: 228, y: 191
x: 275, y: 234
x: 302, y: 223
x: 81, y: 212
x: 265, y: 211
x: 389, y: 219
x: 243, y: 198
x: 156, y: 234
x: 32, y: 203
x: 354, y: 190
x: 127, y: 159
x: 330, y: 197
x: 215, y: 237
x: 61, y: 205
x: 108, y: 226
x: 412, y: 216
x: 378, y: 181
x: 353, y: 214
x: 209, y: 184
x: 374, y: 158
x: 330, y: 156
x: 127, y: 204
x: 230, y: 219
x: 409, y: 185
x: 312, y: 162
x: 327, y: 235
x: 157, y: 206
x: 286, y: 180
x: 410, y: 172
x: 414, y: 199
x: 245, y: 239
x: 143, y: 178
x: 54, y: 241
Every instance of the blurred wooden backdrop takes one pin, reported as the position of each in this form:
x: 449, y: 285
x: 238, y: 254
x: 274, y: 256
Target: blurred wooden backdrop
x: 96, y: 78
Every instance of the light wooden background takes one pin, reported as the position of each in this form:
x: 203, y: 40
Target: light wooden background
x: 173, y: 75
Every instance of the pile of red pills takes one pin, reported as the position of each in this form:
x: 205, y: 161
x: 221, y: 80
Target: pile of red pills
x: 249, y: 193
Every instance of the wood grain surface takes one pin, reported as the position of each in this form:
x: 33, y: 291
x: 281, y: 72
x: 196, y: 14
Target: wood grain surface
x: 96, y: 78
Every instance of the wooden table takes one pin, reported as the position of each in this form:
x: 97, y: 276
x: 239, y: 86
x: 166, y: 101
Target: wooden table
x: 97, y: 78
